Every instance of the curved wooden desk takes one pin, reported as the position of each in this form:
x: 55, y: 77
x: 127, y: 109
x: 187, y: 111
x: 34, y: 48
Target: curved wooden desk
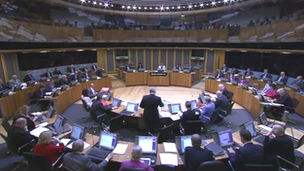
x: 241, y: 96
x: 136, y: 78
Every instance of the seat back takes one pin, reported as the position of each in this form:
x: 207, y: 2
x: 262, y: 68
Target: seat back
x: 284, y: 164
x: 259, y: 167
x: 6, y: 125
x: 193, y: 127
x: 9, y: 145
x: 295, y: 102
x: 230, y: 95
x: 134, y: 169
x: 230, y: 108
x: 85, y: 105
x: 215, y: 115
x: 301, y: 142
x: 212, y: 165
x: 37, y: 162
x: 165, y: 133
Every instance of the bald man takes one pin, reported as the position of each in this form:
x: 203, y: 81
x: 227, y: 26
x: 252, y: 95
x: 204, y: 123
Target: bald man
x: 195, y: 155
x: 19, y: 135
x: 281, y: 145
x: 14, y: 81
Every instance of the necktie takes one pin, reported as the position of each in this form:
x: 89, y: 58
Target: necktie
x: 72, y: 70
x: 264, y: 76
x: 279, y: 79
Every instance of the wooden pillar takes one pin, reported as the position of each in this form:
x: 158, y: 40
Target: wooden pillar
x: 152, y: 56
x: 144, y: 64
x: 4, y: 68
x: 136, y: 57
x: 183, y: 56
x: 206, y: 61
x: 174, y: 58
x: 114, y: 60
x: 102, y: 59
x: 219, y: 59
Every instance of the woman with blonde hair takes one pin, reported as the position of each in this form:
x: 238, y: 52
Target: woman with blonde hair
x: 23, y: 112
x: 46, y: 146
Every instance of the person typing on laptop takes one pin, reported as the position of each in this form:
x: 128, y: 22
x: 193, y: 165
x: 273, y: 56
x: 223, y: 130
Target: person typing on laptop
x: 135, y: 160
x: 79, y: 162
x: 207, y: 111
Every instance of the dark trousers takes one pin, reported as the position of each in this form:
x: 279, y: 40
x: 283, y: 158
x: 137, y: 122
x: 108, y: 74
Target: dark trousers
x: 152, y: 125
x: 277, y: 112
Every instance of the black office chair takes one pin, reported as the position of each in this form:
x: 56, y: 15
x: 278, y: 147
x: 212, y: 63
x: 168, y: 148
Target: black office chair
x: 33, y: 103
x: 212, y: 120
x: 166, y: 168
x: 39, y: 162
x: 291, y: 110
x: 230, y: 95
x: 255, y: 167
x: 223, y: 114
x: 133, y: 169
x: 13, y: 149
x: 6, y: 125
x: 212, y: 165
x: 193, y: 127
x: 86, y: 108
x: 286, y: 165
x: 165, y: 133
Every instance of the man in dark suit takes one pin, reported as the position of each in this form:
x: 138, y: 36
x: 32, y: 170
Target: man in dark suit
x: 224, y: 91
x: 281, y: 145
x: 77, y: 161
x: 28, y: 77
x: 94, y: 67
x: 75, y: 77
x: 39, y: 93
x: 219, y: 74
x: 234, y: 71
x: 195, y: 155
x: 222, y: 101
x: 86, y: 75
x: 19, y: 135
x: 188, y: 115
x: 298, y: 82
x: 224, y: 68
x: 99, y: 72
x: 47, y: 74
x: 140, y: 66
x: 57, y: 72
x: 248, y: 154
x: 2, y: 85
x: 84, y: 68
x: 98, y: 108
x: 150, y: 104
x: 63, y: 80
x: 282, y: 78
x: 265, y: 75
x: 248, y: 73
x: 71, y: 69
x: 49, y: 86
x: 285, y: 100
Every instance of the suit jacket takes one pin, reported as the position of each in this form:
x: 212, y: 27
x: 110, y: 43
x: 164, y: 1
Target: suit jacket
x: 223, y: 103
x: 246, y: 73
x: 91, y: 93
x: 49, y: 86
x: 188, y: 115
x: 63, y: 82
x: 28, y: 78
x: 269, y: 76
x: 235, y: 71
x: 13, y: 83
x: 150, y: 103
x: 219, y: 75
x: 99, y: 72
x: 38, y: 94
x: 138, y: 67
x: 248, y: 154
x: 18, y: 137
x: 48, y: 75
x: 71, y: 70
x: 58, y: 72
x: 282, y: 146
x: 135, y: 164
x: 29, y: 123
x: 224, y: 69
x: 300, y: 84
x: 80, y: 162
x: 98, y: 108
x: 94, y: 67
x: 194, y: 156
x: 285, y: 100
x: 3, y: 87
x: 72, y: 78
x: 283, y: 79
x: 86, y: 76
x: 225, y: 92
x: 231, y: 79
x: 83, y: 69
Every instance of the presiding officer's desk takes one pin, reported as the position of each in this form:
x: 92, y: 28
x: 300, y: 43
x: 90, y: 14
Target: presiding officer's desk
x: 136, y: 78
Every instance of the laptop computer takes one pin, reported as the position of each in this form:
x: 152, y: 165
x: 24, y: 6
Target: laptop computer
x: 182, y: 142
x: 251, y: 128
x: 116, y: 103
x: 194, y: 104
x: 49, y: 114
x: 130, y: 109
x: 106, y: 144
x: 78, y: 132
x: 149, y: 148
x: 105, y: 89
x: 224, y: 139
x: 59, y: 125
x: 202, y: 99
x: 263, y: 120
x: 174, y: 108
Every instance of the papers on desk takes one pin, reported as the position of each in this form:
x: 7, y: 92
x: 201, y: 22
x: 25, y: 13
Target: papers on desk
x: 98, y: 78
x: 170, y: 147
x: 48, y: 93
x: 65, y: 141
x: 10, y: 93
x: 37, y: 131
x: 86, y: 145
x: 36, y: 113
x: 43, y: 124
x: 120, y: 149
x: 213, y: 95
x: 168, y: 159
x: 164, y: 114
x: 268, y: 129
x: 175, y: 117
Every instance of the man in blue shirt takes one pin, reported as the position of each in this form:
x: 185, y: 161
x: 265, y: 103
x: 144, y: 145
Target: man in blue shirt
x: 207, y: 111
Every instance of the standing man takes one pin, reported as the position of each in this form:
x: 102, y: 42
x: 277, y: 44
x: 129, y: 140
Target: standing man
x: 150, y: 104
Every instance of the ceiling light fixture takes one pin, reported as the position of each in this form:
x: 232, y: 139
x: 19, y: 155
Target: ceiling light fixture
x: 94, y: 2
x: 178, y: 7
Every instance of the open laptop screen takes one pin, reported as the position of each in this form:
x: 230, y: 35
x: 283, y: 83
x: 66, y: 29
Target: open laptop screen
x: 115, y: 102
x: 185, y: 142
x: 225, y: 138
x: 175, y: 107
x: 263, y: 119
x: 131, y: 107
x: 58, y: 122
x: 193, y: 104
x: 77, y: 132
x: 250, y: 127
x: 147, y: 143
x: 50, y: 111
x: 107, y: 140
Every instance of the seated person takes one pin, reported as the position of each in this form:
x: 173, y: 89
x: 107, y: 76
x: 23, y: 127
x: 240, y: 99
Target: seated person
x: 47, y: 74
x: 47, y: 146
x: 224, y: 68
x: 86, y: 98
x: 188, y: 115
x: 298, y: 82
x: 265, y: 75
x: 281, y: 145
x: 99, y: 72
x: 71, y: 69
x: 284, y: 99
x: 98, y: 108
x: 248, y: 73
x: 94, y: 67
x: 177, y: 67
x: 135, y: 161
x: 28, y: 77
x: 207, y: 110
x: 219, y: 74
x: 57, y: 72
x: 140, y: 66
x: 2, y: 85
x: 19, y: 135
x: 91, y: 91
x: 195, y: 155
x: 224, y: 90
x: 272, y: 92
x: 161, y: 67
x: 75, y: 77
x: 63, y: 80
x: 267, y: 85
x: 84, y: 68
x: 75, y: 160
x: 222, y: 101
x: 232, y: 78
x: 282, y: 78
x: 129, y: 66
x: 86, y: 75
x: 23, y: 112
x: 49, y: 86
x: 234, y: 71
x: 243, y: 81
x: 14, y: 81
x: 248, y: 154
x: 39, y: 93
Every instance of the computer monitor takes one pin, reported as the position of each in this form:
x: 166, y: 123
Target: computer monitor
x: 131, y: 107
x: 107, y: 140
x: 116, y: 102
x: 175, y: 107
x: 147, y: 143
x: 50, y: 112
x: 250, y: 127
x: 193, y: 104
x: 58, y: 122
x: 77, y: 132
x: 263, y: 118
x: 185, y: 142
x: 225, y: 138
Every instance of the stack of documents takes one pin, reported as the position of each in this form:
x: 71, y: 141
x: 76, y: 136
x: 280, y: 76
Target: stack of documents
x: 170, y: 147
x: 120, y: 149
x: 175, y: 117
x: 168, y: 159
x: 37, y: 131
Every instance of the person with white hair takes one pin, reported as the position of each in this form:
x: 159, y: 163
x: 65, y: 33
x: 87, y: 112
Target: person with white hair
x: 223, y: 89
x: 222, y: 101
x: 150, y: 105
x: 135, y: 161
x: 280, y: 145
x: 63, y: 80
x: 285, y: 100
x: 91, y: 91
x: 78, y: 162
x: 282, y: 78
x: 298, y: 82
